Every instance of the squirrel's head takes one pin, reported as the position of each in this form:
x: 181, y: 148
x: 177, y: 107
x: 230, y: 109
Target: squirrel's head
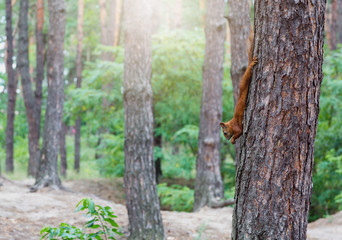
x: 227, y: 130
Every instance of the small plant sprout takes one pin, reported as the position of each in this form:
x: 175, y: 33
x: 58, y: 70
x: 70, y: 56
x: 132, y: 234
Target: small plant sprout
x: 102, y: 219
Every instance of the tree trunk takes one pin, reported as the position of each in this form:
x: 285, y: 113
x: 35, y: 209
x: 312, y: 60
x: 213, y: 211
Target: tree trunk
x: 158, y: 143
x: 79, y: 82
x: 202, y: 8
x: 107, y: 21
x: 339, y: 21
x: 48, y: 170
x: 40, y: 52
x: 333, y: 25
x: 239, y: 25
x: 12, y: 87
x: 118, y: 16
x: 178, y: 14
x: 209, y: 186
x: 274, y: 175
x: 140, y: 184
x: 29, y: 99
x: 63, y: 152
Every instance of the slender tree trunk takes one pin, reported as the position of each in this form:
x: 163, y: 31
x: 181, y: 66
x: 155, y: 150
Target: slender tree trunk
x: 118, y: 17
x: 158, y: 143
x: 29, y: 99
x: 327, y: 22
x: 239, y: 25
x: 107, y: 20
x: 40, y: 52
x: 12, y: 87
x: 79, y: 82
x: 339, y: 21
x: 48, y: 171
x: 333, y: 25
x: 63, y: 152
x: 274, y: 175
x: 202, y: 8
x: 209, y: 186
x: 141, y: 191
x: 178, y: 14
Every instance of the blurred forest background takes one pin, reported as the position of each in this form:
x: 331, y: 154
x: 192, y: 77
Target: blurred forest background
x: 177, y: 57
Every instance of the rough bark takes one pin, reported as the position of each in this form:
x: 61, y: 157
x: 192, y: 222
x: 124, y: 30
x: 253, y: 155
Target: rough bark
x: 333, y: 25
x: 48, y: 171
x: 140, y: 184
x: 29, y: 99
x: 62, y: 149
x: 274, y: 175
x: 209, y: 186
x: 12, y: 86
x: 79, y: 81
x: 239, y: 26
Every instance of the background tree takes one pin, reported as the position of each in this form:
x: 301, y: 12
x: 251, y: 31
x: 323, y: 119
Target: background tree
x: 29, y: 99
x: 141, y: 192
x: 48, y: 171
x: 239, y: 26
x: 40, y: 61
x: 333, y: 24
x: 209, y: 186
x: 79, y: 81
x: 62, y: 148
x: 12, y: 87
x: 274, y: 175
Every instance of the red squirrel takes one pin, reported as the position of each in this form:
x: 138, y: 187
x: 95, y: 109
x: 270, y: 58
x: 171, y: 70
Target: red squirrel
x: 233, y: 128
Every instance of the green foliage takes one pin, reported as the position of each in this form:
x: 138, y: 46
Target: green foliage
x: 176, y: 197
x: 111, y: 163
x: 188, y: 136
x: 180, y: 164
x: 327, y: 175
x: 102, y: 219
x: 326, y: 198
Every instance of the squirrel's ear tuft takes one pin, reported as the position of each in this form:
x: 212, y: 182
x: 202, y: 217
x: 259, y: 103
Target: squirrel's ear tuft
x: 222, y: 124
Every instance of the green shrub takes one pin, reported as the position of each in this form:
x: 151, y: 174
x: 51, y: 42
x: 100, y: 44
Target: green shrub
x: 176, y: 197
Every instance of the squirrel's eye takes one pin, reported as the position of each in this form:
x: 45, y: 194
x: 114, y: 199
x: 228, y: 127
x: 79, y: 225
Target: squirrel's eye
x: 225, y: 133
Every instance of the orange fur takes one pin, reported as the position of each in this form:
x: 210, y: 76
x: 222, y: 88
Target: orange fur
x: 233, y: 128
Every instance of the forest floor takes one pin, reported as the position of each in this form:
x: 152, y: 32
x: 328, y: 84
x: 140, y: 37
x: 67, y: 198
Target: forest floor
x: 24, y: 214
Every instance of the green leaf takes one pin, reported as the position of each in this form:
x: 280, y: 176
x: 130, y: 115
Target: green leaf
x: 111, y: 222
x: 91, y: 206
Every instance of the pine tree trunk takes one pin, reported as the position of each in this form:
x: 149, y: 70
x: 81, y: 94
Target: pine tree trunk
x: 274, y: 175
x: 158, y: 165
x: 209, y: 186
x: 40, y: 51
x: 333, y: 25
x: 12, y: 87
x: 178, y: 14
x: 239, y: 25
x: 339, y: 21
x: 141, y: 192
x: 29, y: 99
x: 202, y: 8
x: 62, y: 150
x: 48, y: 171
x: 79, y: 82
x: 118, y: 17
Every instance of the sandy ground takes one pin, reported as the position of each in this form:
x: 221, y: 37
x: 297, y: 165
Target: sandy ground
x: 23, y: 214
